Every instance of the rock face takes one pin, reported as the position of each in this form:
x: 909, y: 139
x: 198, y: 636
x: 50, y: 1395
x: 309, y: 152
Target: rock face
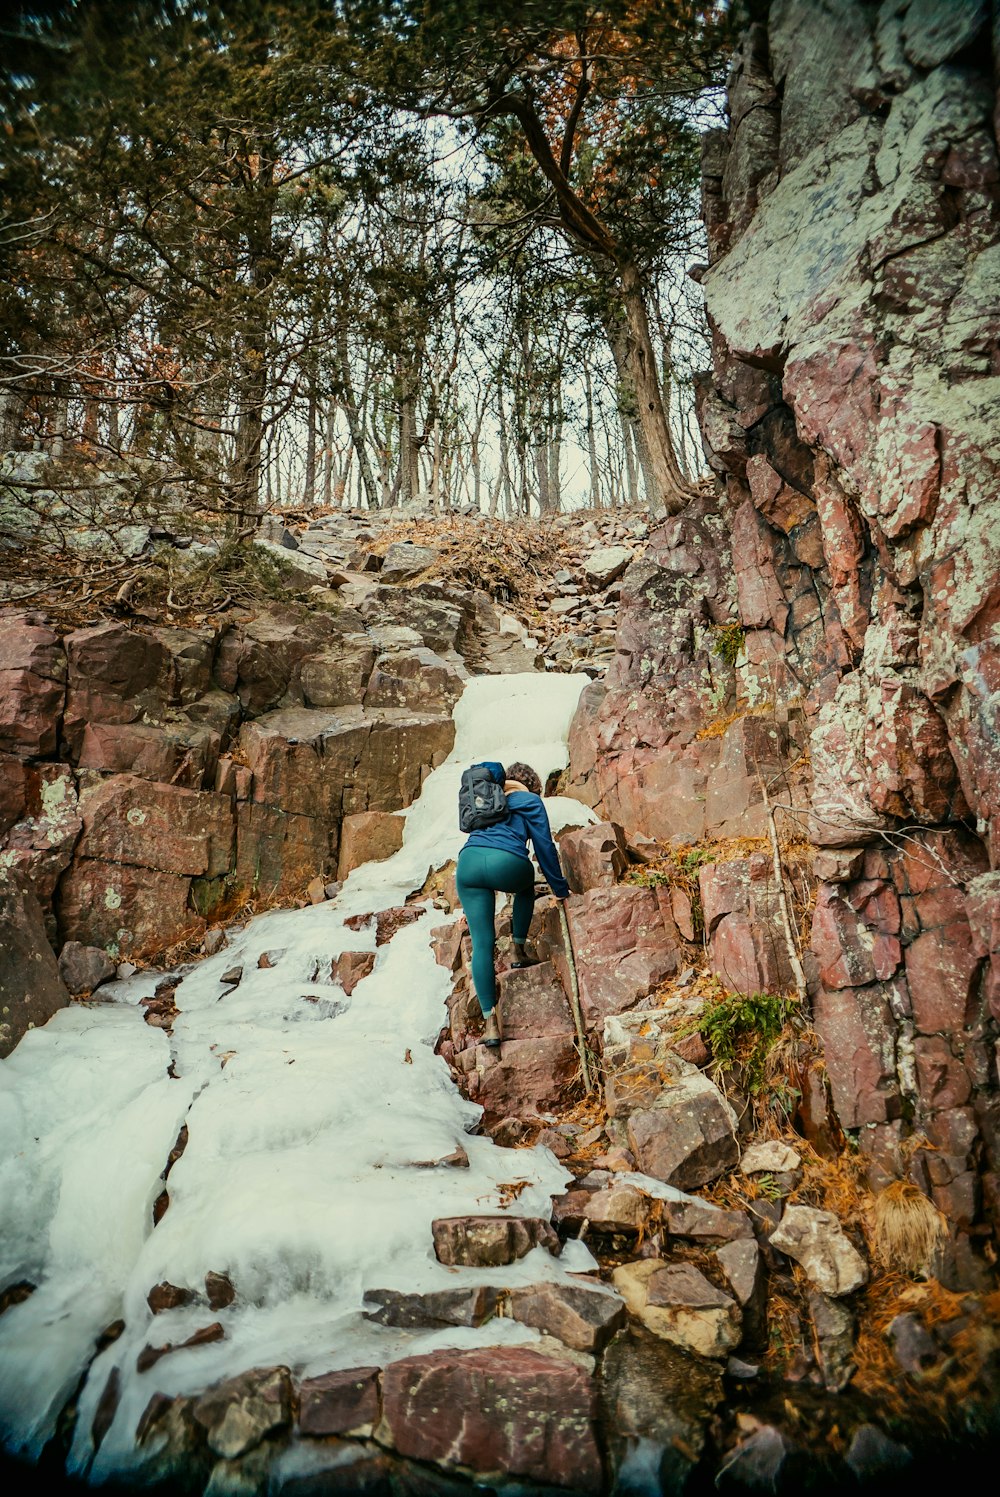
x: 854, y: 249
x: 150, y: 777
x: 31, y: 989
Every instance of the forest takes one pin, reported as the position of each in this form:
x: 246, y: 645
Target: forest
x: 307, y: 253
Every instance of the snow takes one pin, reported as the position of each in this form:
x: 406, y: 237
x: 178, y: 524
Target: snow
x: 315, y: 1126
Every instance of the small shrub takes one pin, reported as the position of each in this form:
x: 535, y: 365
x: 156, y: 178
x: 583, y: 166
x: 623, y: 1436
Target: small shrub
x: 907, y: 1229
x: 743, y: 1031
x: 729, y: 642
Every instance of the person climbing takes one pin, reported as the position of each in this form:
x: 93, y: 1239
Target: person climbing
x: 495, y: 860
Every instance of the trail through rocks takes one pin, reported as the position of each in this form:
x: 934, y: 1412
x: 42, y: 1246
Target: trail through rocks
x: 320, y: 1141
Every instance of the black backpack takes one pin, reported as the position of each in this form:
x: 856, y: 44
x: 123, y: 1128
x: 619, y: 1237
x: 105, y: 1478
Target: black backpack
x: 481, y: 801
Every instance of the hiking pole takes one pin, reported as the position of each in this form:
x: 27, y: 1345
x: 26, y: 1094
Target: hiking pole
x: 574, y: 999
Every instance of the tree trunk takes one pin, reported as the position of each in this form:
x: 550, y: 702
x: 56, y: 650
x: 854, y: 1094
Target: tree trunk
x: 595, y: 472
x: 309, y: 478
x: 670, y: 484
x: 366, y: 477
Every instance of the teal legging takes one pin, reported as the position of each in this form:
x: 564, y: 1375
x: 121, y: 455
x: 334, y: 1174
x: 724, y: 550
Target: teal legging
x: 481, y: 873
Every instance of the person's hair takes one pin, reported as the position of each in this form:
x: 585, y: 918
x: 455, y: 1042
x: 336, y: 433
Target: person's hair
x: 527, y: 777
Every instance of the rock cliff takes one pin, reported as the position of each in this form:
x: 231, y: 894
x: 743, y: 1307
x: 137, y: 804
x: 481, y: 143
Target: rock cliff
x: 844, y: 667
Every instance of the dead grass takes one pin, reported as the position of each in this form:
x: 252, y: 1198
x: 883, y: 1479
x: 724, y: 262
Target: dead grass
x: 906, y: 1230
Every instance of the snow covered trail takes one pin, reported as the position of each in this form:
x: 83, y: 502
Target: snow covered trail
x: 314, y: 1124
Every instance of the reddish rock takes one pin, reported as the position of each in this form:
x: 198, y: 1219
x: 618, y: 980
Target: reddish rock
x: 447, y: 943
x: 31, y: 989
x: 418, y: 680
x: 461, y: 1306
x: 277, y: 853
x: 240, y: 1412
x: 616, y: 1210
x: 525, y: 1076
x: 858, y: 1031
x: 178, y: 754
x: 167, y: 1296
x: 742, y: 921
x: 621, y: 946
x: 580, y: 1315
x: 688, y: 1136
x: 40, y: 846
x: 340, y: 1403
x: 13, y: 790
x: 490, y: 1241
x: 339, y: 676
x: 508, y: 1412
x: 84, y: 968
x: 350, y: 967
x: 32, y: 686
x: 368, y: 837
x: 944, y: 1081
x: 219, y: 1290
x: 130, y: 820
x: 124, y: 909
x: 942, y: 972
x: 115, y: 675
x: 911, y: 770
x: 699, y: 1221
x: 593, y: 856
x: 204, y: 1336
x: 532, y: 1002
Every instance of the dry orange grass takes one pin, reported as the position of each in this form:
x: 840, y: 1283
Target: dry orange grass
x: 906, y: 1230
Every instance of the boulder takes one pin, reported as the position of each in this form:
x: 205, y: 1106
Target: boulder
x: 496, y: 1412
x: 115, y: 675
x: 339, y: 676
x: 461, y: 1306
x: 490, y: 1241
x: 688, y: 1136
x: 296, y: 569
x: 701, y: 1221
x: 656, y: 1404
x: 621, y: 946
x: 582, y: 1316
x: 242, y: 1411
x: 177, y: 753
x: 746, y: 940
x: 593, y: 856
x: 32, y: 686
x: 531, y: 1002
x: 40, y: 846
x: 419, y: 680
x: 350, y: 967
x: 742, y: 1267
x: 124, y: 909
x: 31, y: 988
x: 404, y: 560
x: 833, y: 1339
x: 606, y: 563
x: 817, y: 1241
x: 84, y: 968
x: 769, y: 1157
x: 616, y: 1210
x: 340, y: 1403
x: 368, y: 837
x: 676, y: 1302
x: 525, y: 1076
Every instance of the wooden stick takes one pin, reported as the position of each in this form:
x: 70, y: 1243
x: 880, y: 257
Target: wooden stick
x: 779, y: 875
x: 574, y: 1000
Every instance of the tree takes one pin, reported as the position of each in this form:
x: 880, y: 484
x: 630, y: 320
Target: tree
x: 599, y: 99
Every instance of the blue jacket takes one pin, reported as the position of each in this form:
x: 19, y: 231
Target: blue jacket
x: 527, y: 820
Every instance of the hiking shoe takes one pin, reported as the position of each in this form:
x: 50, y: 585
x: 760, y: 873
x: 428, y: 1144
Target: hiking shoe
x: 491, y: 1034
